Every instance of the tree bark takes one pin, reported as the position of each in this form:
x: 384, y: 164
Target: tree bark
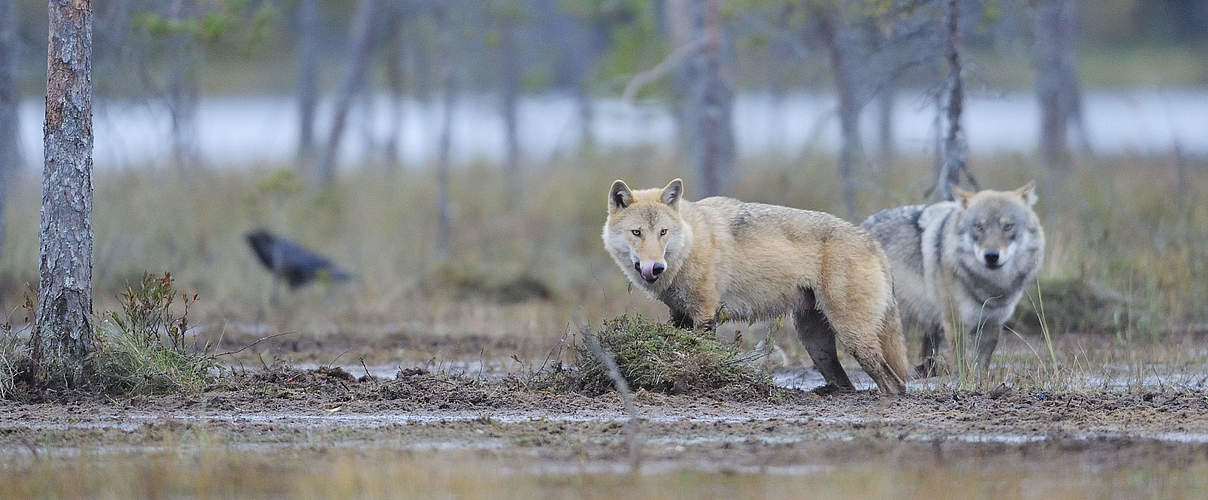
x: 307, y: 42
x: 9, y: 158
x: 1056, y: 79
x: 183, y: 89
x: 839, y: 45
x: 394, y: 79
x: 448, y: 89
x: 709, y: 103
x: 360, y: 51
x: 63, y: 335
x: 509, y: 93
x: 955, y: 148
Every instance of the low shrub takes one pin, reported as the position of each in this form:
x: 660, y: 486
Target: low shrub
x: 142, y: 348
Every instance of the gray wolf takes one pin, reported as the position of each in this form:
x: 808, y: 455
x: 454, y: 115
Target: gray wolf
x: 960, y: 267
x: 720, y: 257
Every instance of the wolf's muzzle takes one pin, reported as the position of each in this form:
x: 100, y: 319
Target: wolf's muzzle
x: 992, y: 261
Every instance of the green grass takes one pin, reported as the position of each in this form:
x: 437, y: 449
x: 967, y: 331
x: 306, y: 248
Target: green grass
x: 143, y: 349
x: 1128, y: 225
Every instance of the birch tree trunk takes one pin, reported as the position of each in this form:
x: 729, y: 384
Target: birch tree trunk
x: 1056, y: 79
x: 394, y: 79
x: 360, y: 51
x: 709, y: 103
x: 308, y: 80
x: 183, y: 88
x: 63, y: 335
x: 955, y: 148
x: 443, y: 217
x: 509, y: 93
x: 9, y: 159
x: 837, y: 36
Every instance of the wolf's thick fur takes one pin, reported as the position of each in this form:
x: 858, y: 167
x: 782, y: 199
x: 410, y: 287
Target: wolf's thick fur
x: 759, y: 262
x: 971, y: 257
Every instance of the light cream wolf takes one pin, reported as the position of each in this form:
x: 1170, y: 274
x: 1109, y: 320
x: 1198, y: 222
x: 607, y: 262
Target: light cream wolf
x: 760, y: 262
x: 961, y: 264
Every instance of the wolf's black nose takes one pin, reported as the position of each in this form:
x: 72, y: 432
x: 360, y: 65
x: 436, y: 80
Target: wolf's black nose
x: 658, y: 269
x: 992, y: 257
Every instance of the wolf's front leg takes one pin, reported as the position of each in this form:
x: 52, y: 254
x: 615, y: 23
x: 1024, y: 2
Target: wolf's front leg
x: 681, y: 319
x: 705, y: 309
x: 986, y: 341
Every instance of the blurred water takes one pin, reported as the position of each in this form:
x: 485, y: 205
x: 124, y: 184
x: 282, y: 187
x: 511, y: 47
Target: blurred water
x: 247, y: 130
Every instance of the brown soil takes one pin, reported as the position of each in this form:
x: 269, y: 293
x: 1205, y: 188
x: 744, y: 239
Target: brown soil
x: 288, y: 407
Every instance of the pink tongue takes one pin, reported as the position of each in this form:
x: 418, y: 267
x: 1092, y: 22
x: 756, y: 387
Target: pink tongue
x: 648, y: 269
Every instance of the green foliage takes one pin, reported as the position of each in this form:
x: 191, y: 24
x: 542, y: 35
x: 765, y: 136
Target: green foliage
x: 635, y: 43
x: 232, y: 23
x: 143, y: 350
x: 659, y: 357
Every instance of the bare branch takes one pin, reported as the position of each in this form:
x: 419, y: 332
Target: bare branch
x: 632, y: 435
x: 257, y: 341
x: 662, y: 69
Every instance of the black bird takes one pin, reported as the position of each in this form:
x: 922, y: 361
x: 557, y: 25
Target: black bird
x: 292, y: 261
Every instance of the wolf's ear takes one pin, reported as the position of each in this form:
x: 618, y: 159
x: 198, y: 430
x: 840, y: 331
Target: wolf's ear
x: 962, y: 196
x: 672, y: 193
x: 1028, y: 192
x: 619, y: 196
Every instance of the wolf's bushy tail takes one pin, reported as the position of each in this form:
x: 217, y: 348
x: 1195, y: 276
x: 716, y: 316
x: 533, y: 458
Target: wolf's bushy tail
x: 893, y: 342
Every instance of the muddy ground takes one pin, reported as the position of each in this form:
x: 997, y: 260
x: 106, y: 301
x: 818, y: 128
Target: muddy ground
x: 287, y: 407
x: 334, y: 415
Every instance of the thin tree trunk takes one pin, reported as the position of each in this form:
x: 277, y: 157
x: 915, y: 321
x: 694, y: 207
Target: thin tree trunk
x: 1056, y: 79
x: 510, y: 76
x: 183, y: 90
x: 838, y: 43
x: 885, y: 105
x: 63, y: 335
x: 679, y: 26
x: 443, y: 222
x: 587, y: 115
x: 394, y: 78
x: 954, y: 140
x: 308, y: 80
x: 9, y: 158
x: 360, y: 51
x: 710, y: 102
x: 885, y: 135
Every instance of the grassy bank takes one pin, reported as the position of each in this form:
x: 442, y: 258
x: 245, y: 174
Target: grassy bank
x: 1136, y: 226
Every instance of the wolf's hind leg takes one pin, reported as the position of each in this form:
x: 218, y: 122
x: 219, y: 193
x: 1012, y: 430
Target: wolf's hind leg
x: 819, y: 340
x: 933, y: 340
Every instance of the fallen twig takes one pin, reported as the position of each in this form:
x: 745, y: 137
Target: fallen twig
x: 257, y: 341
x: 631, y: 427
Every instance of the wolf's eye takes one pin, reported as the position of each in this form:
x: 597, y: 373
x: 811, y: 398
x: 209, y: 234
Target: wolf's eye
x: 663, y: 232
x: 637, y: 232
x: 1010, y: 226
x: 979, y: 226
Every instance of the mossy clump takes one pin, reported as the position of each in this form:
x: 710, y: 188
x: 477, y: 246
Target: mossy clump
x: 661, y: 358
x: 1071, y: 305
